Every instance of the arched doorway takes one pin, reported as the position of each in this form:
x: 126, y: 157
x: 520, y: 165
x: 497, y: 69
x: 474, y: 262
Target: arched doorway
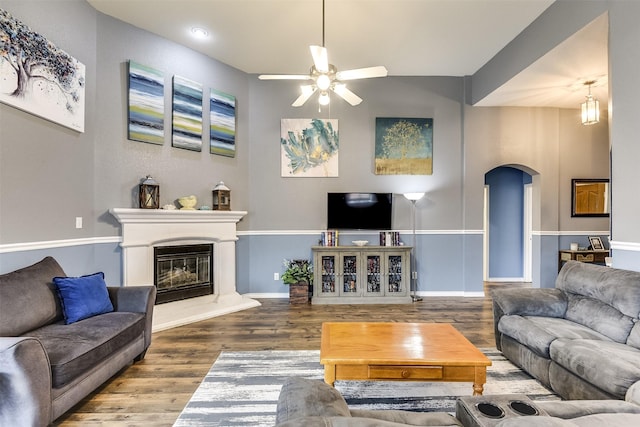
x: 508, y: 222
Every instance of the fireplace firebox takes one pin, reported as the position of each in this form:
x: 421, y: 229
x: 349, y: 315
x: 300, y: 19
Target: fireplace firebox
x: 182, y: 272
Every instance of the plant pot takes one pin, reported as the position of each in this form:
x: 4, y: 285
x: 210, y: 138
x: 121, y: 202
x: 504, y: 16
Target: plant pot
x: 299, y: 293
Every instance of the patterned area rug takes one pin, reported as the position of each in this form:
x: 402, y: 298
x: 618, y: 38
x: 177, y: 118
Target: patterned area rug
x: 242, y: 388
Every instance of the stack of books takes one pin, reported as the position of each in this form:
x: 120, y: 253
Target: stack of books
x: 390, y: 238
x: 330, y: 238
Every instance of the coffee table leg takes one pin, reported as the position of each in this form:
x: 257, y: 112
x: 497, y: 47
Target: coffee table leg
x: 479, y: 380
x: 330, y: 374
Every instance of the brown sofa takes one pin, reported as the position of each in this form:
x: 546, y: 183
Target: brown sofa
x: 46, y: 365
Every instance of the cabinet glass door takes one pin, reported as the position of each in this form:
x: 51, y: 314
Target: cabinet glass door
x: 374, y: 276
x: 349, y: 274
x: 395, y: 283
x: 328, y: 285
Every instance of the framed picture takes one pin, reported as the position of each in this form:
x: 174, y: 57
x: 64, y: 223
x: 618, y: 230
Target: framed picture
x: 590, y: 197
x: 146, y: 104
x: 187, y: 114
x: 596, y: 244
x: 38, y: 77
x: 309, y: 148
x: 222, y: 123
x: 404, y: 146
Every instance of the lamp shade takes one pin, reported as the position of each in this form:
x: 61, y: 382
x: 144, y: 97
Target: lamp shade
x: 413, y: 196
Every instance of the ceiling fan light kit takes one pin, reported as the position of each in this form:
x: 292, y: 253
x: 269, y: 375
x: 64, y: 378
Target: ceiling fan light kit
x: 326, y: 77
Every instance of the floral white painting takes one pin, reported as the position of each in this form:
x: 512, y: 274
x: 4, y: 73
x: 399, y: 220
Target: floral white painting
x: 39, y: 78
x: 309, y: 147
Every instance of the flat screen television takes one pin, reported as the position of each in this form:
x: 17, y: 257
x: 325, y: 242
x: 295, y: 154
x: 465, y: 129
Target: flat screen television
x: 359, y: 211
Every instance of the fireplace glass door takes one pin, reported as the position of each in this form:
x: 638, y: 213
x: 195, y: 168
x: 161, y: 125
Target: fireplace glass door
x: 183, y: 272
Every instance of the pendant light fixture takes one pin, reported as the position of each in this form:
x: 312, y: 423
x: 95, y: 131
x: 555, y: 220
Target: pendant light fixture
x: 590, y: 108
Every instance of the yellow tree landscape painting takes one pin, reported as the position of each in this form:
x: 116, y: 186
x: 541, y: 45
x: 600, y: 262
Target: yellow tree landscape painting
x: 404, y: 146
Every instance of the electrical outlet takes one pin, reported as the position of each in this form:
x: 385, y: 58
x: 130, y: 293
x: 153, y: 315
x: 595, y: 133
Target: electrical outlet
x: 276, y: 276
x: 78, y: 222
x: 414, y: 275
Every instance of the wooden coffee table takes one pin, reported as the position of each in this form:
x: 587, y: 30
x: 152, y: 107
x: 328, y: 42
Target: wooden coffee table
x: 400, y: 351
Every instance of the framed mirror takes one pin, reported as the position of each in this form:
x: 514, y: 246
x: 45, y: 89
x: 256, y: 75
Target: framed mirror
x: 589, y: 197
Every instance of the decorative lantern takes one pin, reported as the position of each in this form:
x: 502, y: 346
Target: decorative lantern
x: 149, y: 191
x: 221, y: 197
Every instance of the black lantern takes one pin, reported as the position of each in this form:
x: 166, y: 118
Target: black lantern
x: 221, y: 197
x: 149, y: 191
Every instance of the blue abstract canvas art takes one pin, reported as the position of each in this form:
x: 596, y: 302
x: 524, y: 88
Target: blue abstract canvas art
x: 146, y: 104
x: 187, y: 114
x: 309, y: 147
x: 222, y: 128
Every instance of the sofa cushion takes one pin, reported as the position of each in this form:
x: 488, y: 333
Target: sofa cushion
x: 608, y: 365
x: 599, y: 316
x: 28, y: 298
x: 578, y: 408
x: 321, y: 421
x: 597, y: 420
x: 83, y: 297
x: 600, y: 420
x: 74, y: 349
x: 537, y: 333
x: 615, y: 287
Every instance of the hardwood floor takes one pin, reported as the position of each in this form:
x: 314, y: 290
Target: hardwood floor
x: 154, y: 391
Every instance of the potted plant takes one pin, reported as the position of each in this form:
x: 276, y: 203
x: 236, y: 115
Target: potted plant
x: 298, y: 274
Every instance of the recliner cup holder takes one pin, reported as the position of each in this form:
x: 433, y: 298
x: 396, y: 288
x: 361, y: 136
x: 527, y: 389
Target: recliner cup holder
x: 522, y: 408
x: 490, y: 410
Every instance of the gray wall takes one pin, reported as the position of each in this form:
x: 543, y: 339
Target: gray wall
x: 46, y: 170
x: 120, y: 163
x: 624, y: 90
x: 70, y: 174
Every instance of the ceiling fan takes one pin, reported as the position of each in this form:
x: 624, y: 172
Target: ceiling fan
x: 325, y: 77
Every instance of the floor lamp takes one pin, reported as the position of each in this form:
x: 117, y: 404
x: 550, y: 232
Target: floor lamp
x: 413, y: 198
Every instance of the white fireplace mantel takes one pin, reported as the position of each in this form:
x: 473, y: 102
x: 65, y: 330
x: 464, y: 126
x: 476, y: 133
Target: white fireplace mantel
x: 144, y: 229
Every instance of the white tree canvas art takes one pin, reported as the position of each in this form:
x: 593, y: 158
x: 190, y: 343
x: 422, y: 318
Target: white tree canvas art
x: 38, y: 77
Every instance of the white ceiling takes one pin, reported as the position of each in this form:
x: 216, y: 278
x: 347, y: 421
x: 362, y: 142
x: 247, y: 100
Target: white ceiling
x: 409, y: 37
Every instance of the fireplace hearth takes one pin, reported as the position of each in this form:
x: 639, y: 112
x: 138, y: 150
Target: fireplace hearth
x: 182, y: 272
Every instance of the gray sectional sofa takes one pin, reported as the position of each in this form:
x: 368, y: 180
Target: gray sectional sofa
x: 581, y: 339
x: 312, y: 403
x: 46, y: 365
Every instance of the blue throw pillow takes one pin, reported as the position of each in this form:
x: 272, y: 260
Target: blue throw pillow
x: 83, y: 297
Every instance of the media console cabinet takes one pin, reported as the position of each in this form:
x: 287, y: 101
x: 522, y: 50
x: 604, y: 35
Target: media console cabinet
x: 361, y: 274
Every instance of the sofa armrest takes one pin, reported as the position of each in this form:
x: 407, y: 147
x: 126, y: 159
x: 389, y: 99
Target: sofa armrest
x: 527, y: 302
x: 135, y: 299
x: 302, y: 397
x: 633, y: 394
x: 25, y: 382
x: 531, y: 302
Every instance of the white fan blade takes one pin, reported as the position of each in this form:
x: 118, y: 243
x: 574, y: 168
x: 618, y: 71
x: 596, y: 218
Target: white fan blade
x: 284, y: 77
x: 347, y: 95
x: 307, y: 91
x: 362, y: 73
x: 320, y: 59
